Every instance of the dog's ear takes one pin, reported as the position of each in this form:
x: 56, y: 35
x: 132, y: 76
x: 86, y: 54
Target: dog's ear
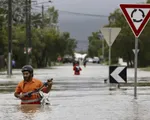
x: 50, y: 80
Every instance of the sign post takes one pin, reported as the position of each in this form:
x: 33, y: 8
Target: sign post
x: 110, y: 35
x: 135, y: 66
x: 109, y: 46
x: 137, y: 16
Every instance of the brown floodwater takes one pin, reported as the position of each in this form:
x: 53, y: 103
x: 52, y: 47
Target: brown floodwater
x: 84, y: 97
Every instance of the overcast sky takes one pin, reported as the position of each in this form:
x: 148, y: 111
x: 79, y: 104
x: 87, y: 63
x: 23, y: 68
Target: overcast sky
x: 90, y: 6
x: 80, y: 27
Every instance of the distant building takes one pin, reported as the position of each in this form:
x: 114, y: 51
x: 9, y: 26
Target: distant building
x: 79, y: 56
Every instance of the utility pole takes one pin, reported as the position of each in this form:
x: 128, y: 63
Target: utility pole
x: 9, y: 72
x: 30, y: 40
x: 27, y: 32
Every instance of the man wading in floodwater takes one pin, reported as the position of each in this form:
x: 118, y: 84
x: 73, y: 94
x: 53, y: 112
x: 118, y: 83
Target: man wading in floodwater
x: 28, y: 89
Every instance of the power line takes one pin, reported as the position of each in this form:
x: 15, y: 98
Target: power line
x: 82, y: 14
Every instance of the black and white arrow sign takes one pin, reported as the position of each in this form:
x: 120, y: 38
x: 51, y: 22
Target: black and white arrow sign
x: 117, y: 74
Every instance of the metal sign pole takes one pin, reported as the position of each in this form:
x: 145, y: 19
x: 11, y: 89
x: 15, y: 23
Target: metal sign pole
x: 135, y: 66
x: 109, y: 54
x: 109, y: 46
x: 137, y: 27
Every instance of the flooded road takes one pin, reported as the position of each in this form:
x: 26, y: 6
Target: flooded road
x: 83, y: 97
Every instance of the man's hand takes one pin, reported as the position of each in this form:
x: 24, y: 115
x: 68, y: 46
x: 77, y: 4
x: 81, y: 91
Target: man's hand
x: 28, y: 94
x: 20, y: 96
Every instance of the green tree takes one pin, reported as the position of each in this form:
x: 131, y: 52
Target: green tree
x: 95, y: 45
x: 47, y: 42
x: 3, y: 35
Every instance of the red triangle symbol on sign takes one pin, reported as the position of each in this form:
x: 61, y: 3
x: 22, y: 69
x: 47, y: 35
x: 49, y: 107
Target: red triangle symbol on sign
x: 137, y: 16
